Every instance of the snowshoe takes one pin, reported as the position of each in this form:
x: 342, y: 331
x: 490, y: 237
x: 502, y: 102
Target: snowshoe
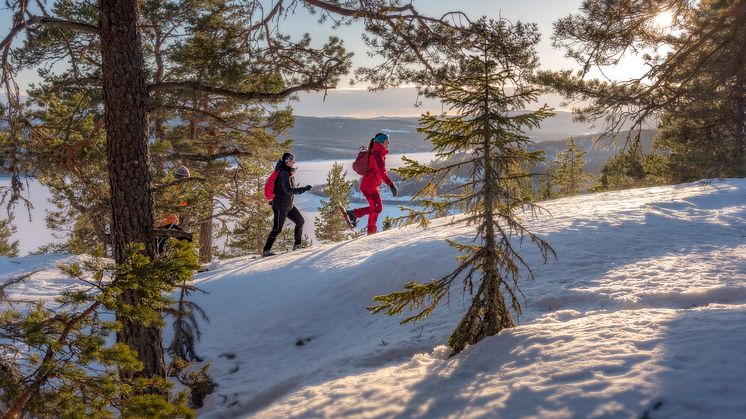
x: 349, y: 217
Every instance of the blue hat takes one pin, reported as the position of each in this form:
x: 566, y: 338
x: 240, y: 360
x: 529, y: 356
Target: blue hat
x: 381, y: 137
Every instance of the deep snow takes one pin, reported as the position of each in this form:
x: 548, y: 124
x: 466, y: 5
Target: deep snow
x: 641, y: 314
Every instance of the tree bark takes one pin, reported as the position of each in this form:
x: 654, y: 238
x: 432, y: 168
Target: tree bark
x: 125, y: 98
x: 205, y: 236
x: 160, y: 131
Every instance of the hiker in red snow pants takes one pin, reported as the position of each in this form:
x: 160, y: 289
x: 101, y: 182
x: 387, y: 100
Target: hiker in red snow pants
x: 369, y: 186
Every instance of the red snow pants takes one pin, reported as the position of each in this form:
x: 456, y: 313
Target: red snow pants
x: 375, y: 206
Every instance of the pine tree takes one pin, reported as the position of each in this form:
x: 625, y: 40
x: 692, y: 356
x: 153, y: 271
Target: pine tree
x: 250, y: 232
x: 486, y: 86
x: 695, y: 81
x: 570, y: 178
x: 223, y: 140
x: 104, y: 45
x: 330, y: 227
x: 7, y: 229
x: 59, y: 360
x: 67, y: 150
x: 697, y: 138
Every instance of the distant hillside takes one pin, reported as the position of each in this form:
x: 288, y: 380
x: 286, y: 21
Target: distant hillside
x: 339, y: 138
x: 333, y: 138
x: 596, y: 154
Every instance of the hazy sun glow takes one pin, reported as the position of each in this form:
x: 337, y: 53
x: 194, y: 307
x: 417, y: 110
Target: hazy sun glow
x: 663, y: 19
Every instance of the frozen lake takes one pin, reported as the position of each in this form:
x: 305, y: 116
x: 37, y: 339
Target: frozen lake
x: 314, y: 172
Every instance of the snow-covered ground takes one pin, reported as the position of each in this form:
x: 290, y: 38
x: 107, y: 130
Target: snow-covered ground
x: 641, y: 315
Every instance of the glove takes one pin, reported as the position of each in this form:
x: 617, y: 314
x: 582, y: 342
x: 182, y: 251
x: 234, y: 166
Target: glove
x: 307, y: 188
x: 394, y: 191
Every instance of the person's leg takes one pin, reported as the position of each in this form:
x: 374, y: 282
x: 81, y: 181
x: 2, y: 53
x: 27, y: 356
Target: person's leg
x: 362, y: 212
x: 277, y: 222
x: 295, y: 216
x: 376, y: 206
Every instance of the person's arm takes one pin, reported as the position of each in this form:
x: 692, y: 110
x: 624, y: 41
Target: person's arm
x: 284, y: 179
x: 380, y: 168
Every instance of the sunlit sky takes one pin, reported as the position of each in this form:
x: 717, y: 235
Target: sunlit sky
x: 355, y: 102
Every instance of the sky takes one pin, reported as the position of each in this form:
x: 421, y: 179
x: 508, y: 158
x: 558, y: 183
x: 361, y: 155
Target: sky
x: 640, y: 315
x: 354, y: 102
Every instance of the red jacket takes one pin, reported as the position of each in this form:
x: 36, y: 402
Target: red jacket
x: 376, y: 169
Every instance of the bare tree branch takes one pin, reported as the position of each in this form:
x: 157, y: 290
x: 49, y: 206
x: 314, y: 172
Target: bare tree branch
x: 193, y: 86
x: 50, y: 22
x: 210, y: 157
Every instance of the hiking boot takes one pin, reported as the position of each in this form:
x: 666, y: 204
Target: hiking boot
x: 300, y: 246
x: 268, y: 253
x: 351, y: 217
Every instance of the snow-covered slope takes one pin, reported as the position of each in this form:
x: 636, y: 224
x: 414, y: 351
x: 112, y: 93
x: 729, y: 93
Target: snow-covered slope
x: 643, y: 311
x: 641, y: 315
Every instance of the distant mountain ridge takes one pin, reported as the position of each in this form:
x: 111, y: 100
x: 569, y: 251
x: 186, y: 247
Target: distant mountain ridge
x: 317, y: 138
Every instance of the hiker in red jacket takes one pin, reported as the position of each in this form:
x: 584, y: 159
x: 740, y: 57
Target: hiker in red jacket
x: 369, y: 186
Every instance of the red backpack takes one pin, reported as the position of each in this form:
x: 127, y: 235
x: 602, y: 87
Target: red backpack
x: 269, y: 186
x: 360, y: 165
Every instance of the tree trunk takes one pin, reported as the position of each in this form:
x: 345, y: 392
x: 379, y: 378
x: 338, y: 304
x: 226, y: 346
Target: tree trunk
x: 740, y: 94
x: 205, y: 236
x: 740, y: 122
x: 160, y: 131
x: 126, y: 99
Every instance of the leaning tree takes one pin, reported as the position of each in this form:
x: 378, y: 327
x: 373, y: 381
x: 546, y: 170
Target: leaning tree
x: 103, y: 46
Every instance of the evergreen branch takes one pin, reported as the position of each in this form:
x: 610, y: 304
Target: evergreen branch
x: 415, y: 295
x: 13, y: 281
x: 387, y: 13
x: 47, y: 21
x: 264, y: 22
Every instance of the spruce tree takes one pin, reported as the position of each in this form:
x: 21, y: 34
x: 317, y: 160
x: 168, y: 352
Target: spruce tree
x: 330, y: 227
x: 569, y: 177
x: 486, y: 87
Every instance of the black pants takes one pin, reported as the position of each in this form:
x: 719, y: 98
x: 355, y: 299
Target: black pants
x: 279, y: 220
